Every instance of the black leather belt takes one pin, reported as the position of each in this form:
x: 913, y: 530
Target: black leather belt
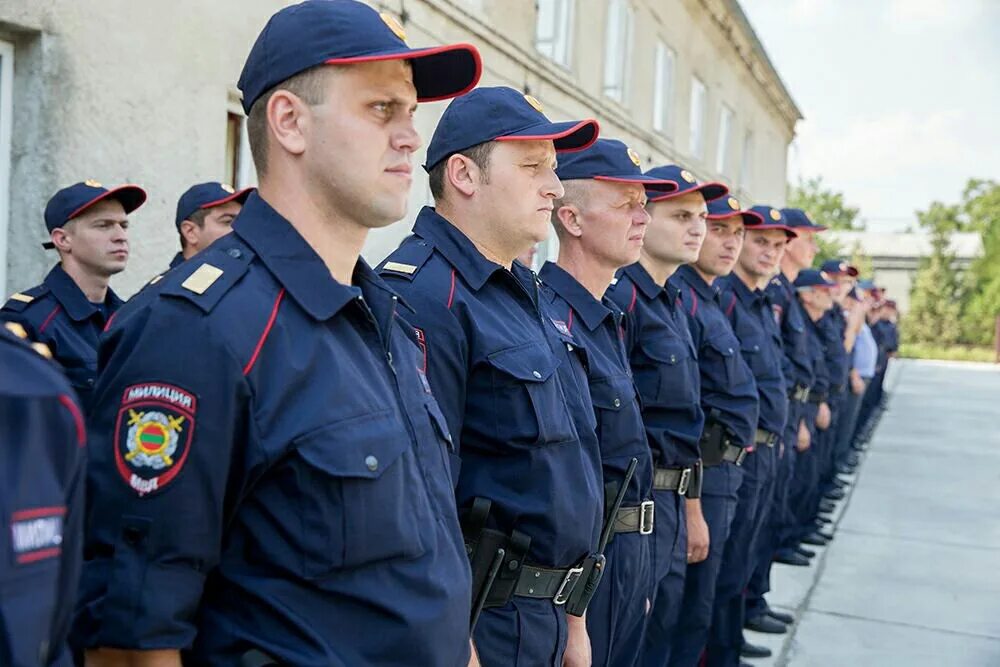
x: 547, y: 583
x: 799, y: 393
x: 817, y: 397
x: 765, y: 438
x: 734, y: 454
x: 671, y: 479
x: 638, y: 519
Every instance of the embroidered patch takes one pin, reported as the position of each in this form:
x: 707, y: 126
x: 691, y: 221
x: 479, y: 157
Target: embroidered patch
x: 632, y: 155
x: 775, y: 214
x: 228, y: 188
x: 777, y: 310
x: 36, y: 534
x: 561, y: 327
x: 153, y: 435
x: 687, y: 176
x: 535, y: 104
x: 422, y: 342
x: 394, y: 25
x: 734, y: 203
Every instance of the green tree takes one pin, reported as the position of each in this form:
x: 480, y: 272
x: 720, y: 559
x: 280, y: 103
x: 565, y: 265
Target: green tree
x: 981, y: 211
x: 936, y: 296
x: 826, y: 207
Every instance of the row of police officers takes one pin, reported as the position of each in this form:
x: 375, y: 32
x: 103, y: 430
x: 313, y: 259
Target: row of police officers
x: 293, y: 458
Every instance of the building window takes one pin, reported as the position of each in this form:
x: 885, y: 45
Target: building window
x: 746, y: 163
x: 725, y: 132
x: 554, y: 29
x: 239, y: 169
x: 663, y: 87
x: 617, y: 49
x: 6, y: 117
x: 699, y: 96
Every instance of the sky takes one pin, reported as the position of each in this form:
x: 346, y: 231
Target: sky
x: 901, y: 98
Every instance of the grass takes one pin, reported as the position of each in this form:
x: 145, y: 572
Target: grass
x: 946, y: 352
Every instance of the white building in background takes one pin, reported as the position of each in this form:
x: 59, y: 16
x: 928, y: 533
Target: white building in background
x: 145, y: 92
x: 896, y: 256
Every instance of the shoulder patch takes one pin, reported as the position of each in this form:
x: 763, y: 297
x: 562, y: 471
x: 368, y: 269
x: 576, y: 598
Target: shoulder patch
x: 18, y: 301
x: 407, y: 260
x: 207, y: 280
x: 23, y: 298
x: 17, y: 329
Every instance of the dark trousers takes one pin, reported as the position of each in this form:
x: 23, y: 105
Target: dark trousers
x: 725, y: 636
x: 848, y: 424
x: 719, y: 497
x: 525, y: 631
x: 667, y: 583
x: 804, y: 490
x: 616, y: 616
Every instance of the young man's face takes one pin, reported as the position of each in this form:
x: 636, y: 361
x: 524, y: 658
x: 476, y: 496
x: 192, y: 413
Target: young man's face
x: 360, y: 141
x: 217, y: 223
x: 97, y: 239
x: 676, y: 229
x: 819, y: 298
x: 762, y: 251
x: 518, y: 190
x: 613, y: 220
x: 802, y: 249
x: 722, y: 246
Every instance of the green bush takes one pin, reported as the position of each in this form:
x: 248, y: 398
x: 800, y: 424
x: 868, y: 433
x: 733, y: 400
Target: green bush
x: 946, y: 352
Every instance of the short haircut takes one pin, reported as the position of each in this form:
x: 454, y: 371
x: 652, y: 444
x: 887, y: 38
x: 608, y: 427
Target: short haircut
x: 480, y: 156
x: 308, y: 85
x: 198, y: 218
x: 576, y: 192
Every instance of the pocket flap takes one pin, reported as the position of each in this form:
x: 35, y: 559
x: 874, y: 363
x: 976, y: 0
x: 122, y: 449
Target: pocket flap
x: 724, y: 345
x: 667, y: 351
x: 362, y: 447
x: 612, y: 393
x: 531, y: 362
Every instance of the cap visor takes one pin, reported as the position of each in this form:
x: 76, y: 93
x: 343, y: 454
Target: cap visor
x: 131, y: 197
x: 770, y: 225
x: 439, y: 72
x: 710, y: 191
x: 568, y: 136
x: 239, y: 196
x: 654, y: 184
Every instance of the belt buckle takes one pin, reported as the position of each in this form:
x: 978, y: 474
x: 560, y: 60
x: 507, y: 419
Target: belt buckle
x: 647, y: 511
x: 741, y: 457
x: 572, y: 576
x: 682, y: 485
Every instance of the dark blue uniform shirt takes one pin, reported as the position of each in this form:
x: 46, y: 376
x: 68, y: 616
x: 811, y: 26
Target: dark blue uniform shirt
x: 42, y: 458
x: 597, y: 327
x: 838, y: 362
x: 271, y: 469
x: 58, y: 314
x: 750, y: 314
x: 664, y: 364
x: 798, y: 363
x: 817, y: 349
x: 512, y: 383
x: 728, y: 389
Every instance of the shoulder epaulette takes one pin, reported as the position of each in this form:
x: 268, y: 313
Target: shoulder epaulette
x: 204, y: 280
x: 18, y: 301
x: 407, y: 260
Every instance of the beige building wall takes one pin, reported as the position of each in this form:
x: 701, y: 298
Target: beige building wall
x: 140, y: 92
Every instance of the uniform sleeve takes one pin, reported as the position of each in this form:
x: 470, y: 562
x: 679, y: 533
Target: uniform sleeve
x: 170, y: 416
x: 445, y: 351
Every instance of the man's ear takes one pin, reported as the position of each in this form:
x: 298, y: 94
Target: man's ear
x: 463, y: 174
x: 568, y: 216
x: 189, y: 230
x: 62, y: 240
x: 288, y: 120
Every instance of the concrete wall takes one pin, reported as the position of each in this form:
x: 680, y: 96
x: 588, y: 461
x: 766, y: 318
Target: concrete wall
x: 139, y: 92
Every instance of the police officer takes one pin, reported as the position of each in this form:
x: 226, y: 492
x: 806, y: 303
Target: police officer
x: 509, y: 374
x: 665, y: 370
x: 279, y: 492
x: 797, y: 367
x: 729, y: 400
x: 600, y: 223
x: 749, y: 312
x: 206, y: 212
x: 42, y: 456
x: 88, y: 227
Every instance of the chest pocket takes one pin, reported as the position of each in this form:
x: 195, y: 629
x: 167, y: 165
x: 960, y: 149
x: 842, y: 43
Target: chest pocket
x: 619, y: 418
x: 529, y: 404
x: 666, y: 372
x: 722, y: 353
x: 757, y: 353
x: 365, y: 498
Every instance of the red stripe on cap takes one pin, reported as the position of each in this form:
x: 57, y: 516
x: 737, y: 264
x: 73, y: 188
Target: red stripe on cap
x: 226, y: 200
x: 105, y: 195
x: 267, y: 331
x: 560, y: 135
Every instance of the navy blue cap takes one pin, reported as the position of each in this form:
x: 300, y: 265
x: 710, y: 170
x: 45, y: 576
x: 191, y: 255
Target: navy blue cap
x: 73, y: 200
x: 813, y: 278
x: 796, y: 218
x: 727, y: 207
x: 686, y: 184
x: 771, y: 218
x: 207, y: 195
x: 866, y: 284
x: 502, y: 114
x: 342, y: 32
x: 838, y: 267
x: 609, y: 160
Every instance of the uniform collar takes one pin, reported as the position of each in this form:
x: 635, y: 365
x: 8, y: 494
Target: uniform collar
x: 296, y: 265
x: 687, y: 273
x: 583, y: 303
x: 178, y: 258
x: 746, y: 295
x: 456, y: 247
x: 641, y: 278
x: 71, y: 297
